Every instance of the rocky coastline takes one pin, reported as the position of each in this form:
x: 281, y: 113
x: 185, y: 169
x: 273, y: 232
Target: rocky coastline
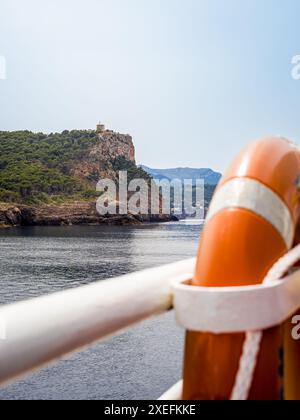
x: 78, y: 213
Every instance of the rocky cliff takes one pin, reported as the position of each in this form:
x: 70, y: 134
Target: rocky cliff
x: 114, y: 145
x: 50, y: 179
x: 100, y: 160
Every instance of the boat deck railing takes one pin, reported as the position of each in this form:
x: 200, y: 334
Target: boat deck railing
x: 46, y: 329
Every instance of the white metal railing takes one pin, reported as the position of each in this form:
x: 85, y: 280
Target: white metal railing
x: 45, y: 329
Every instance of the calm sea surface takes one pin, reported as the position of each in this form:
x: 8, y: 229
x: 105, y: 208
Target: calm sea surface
x: 140, y: 364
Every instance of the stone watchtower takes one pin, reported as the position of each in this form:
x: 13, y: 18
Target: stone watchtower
x: 100, y: 128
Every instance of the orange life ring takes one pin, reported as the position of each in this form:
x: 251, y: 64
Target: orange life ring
x: 251, y: 223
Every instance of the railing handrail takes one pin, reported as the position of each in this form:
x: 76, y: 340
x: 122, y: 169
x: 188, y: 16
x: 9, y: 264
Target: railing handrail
x: 45, y: 329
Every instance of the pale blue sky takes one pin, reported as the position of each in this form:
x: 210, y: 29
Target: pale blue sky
x: 191, y: 80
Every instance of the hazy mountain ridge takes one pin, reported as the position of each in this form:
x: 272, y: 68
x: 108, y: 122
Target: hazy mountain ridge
x: 209, y: 176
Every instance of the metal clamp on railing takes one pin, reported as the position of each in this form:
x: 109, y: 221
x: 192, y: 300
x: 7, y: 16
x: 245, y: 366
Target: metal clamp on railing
x: 205, y: 309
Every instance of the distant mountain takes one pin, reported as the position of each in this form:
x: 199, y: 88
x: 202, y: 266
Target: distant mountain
x: 210, y: 177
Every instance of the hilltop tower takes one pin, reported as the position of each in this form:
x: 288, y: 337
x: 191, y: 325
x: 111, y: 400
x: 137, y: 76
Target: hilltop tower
x: 100, y: 128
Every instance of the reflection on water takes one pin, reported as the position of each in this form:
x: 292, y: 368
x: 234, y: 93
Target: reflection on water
x: 139, y: 364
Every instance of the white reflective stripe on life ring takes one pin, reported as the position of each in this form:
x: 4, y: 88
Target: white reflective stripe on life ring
x: 249, y: 194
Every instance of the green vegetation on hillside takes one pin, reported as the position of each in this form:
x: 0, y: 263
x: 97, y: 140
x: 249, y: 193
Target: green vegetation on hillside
x: 133, y: 171
x: 35, y: 167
